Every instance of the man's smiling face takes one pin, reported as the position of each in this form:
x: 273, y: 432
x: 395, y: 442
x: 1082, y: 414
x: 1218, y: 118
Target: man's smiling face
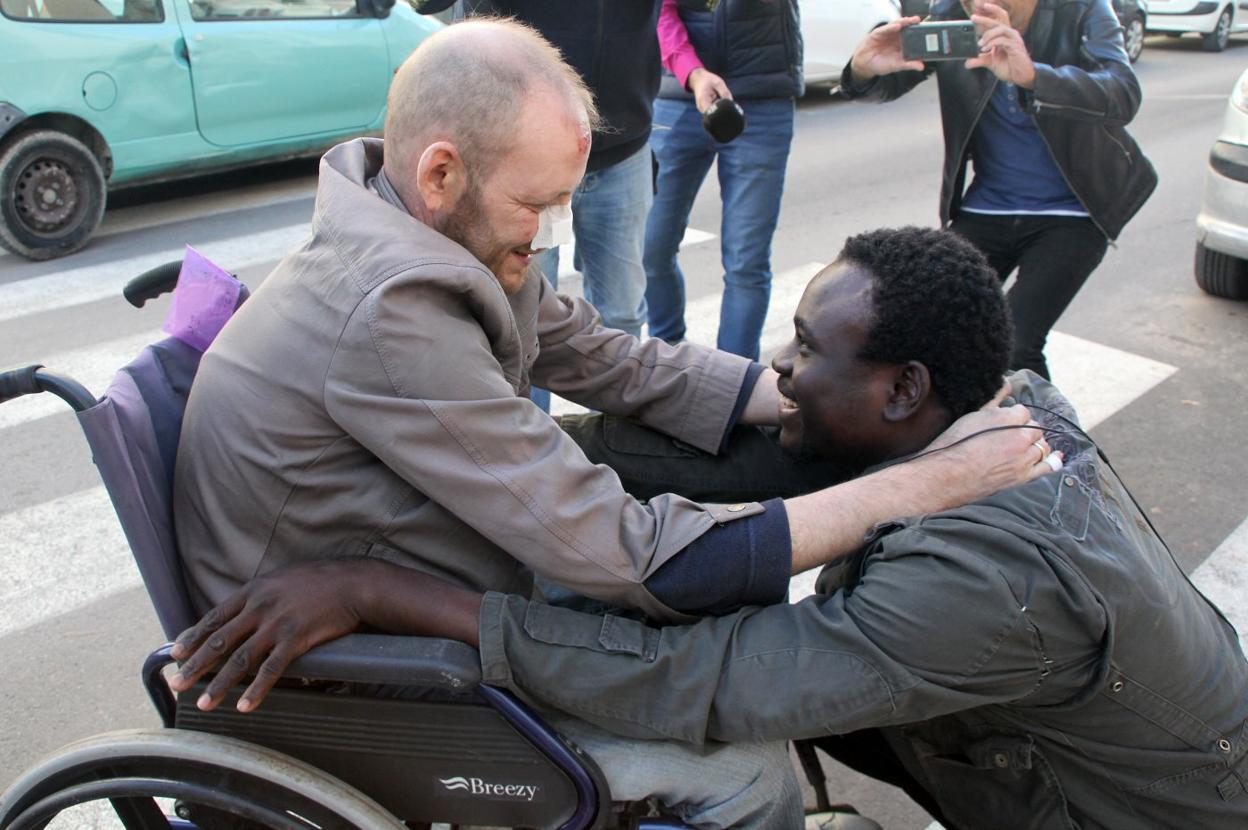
x: 833, y: 400
x: 496, y: 219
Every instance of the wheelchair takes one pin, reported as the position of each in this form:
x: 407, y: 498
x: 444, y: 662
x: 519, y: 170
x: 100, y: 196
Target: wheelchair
x: 467, y: 754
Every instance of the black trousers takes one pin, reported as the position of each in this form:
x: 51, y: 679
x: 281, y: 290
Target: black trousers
x: 1054, y: 256
x: 867, y: 752
x: 751, y: 467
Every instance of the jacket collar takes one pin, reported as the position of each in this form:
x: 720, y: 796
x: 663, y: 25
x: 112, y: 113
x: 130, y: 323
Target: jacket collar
x: 362, y: 217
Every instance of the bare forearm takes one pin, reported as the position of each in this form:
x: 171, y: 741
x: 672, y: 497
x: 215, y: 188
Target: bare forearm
x: 399, y: 600
x: 983, y: 452
x: 829, y: 524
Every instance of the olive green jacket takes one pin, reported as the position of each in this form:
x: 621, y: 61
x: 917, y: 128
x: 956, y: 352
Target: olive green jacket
x: 1036, y: 659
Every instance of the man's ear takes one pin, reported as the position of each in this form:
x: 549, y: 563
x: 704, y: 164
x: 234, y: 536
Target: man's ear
x: 912, y: 385
x: 441, y: 176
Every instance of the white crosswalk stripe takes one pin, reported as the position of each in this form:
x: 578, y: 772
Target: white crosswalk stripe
x: 92, y: 366
x: 47, y: 574
x: 75, y: 286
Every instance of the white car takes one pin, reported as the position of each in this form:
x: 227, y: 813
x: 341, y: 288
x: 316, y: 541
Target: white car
x: 1214, y: 20
x: 1222, y: 225
x: 832, y: 28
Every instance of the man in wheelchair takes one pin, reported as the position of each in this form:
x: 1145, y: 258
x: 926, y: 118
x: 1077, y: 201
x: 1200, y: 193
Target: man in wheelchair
x: 1034, y: 659
x: 370, y: 400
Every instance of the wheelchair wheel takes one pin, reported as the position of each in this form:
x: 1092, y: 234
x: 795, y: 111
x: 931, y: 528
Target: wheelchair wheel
x: 214, y: 781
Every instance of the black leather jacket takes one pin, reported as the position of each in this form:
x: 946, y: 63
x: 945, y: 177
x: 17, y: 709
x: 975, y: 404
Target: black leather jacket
x: 1085, y: 94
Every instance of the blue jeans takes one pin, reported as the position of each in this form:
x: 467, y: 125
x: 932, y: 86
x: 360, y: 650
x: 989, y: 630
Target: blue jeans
x: 609, y: 220
x: 751, y: 182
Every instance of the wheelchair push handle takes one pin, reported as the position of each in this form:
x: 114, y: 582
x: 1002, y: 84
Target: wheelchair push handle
x: 31, y: 380
x: 18, y: 382
x: 152, y: 283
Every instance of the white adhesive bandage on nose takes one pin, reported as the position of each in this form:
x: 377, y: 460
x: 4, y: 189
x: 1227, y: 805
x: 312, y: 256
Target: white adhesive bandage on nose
x: 554, y: 227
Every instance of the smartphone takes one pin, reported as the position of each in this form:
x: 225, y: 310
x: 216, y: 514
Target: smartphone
x: 944, y: 41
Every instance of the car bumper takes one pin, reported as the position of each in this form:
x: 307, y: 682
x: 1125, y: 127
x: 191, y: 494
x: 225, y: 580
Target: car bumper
x: 1195, y: 17
x: 1222, y: 224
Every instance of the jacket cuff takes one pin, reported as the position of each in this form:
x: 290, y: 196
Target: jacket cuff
x: 719, y: 388
x: 746, y: 562
x: 1042, y: 90
x: 752, y: 373
x: 850, y: 87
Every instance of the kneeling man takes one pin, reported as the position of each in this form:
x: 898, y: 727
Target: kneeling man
x: 1035, y: 659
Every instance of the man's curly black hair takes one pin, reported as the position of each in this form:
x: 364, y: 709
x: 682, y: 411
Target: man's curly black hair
x: 935, y: 300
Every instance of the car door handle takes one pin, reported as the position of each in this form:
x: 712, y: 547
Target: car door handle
x: 180, y: 52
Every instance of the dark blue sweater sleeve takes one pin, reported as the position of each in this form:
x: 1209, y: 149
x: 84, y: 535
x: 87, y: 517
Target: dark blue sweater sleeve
x: 745, y: 562
x: 743, y: 397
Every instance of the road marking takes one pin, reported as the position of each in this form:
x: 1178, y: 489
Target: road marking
x: 1223, y: 578
x: 92, y: 366
x: 1100, y: 380
x: 90, y: 283
x: 105, y: 281
x: 60, y: 555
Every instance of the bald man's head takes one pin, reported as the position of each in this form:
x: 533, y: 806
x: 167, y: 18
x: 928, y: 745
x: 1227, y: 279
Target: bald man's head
x: 468, y: 85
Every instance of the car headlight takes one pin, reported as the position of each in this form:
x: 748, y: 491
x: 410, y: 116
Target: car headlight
x: 1239, y: 96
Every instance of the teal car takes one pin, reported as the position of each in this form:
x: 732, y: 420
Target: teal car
x: 97, y: 95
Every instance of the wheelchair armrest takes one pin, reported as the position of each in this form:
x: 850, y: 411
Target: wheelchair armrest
x: 392, y: 660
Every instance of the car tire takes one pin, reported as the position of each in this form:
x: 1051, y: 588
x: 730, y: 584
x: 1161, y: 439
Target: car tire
x: 1133, y: 38
x: 1216, y: 40
x: 52, y: 194
x: 1220, y: 274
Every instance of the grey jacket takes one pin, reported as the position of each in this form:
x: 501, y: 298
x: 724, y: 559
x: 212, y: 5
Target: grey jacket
x: 370, y: 400
x: 1036, y: 659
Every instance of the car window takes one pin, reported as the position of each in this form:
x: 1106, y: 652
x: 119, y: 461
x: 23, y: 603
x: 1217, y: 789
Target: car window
x: 83, y: 11
x: 268, y: 9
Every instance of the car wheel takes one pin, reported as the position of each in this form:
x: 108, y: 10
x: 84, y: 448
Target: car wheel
x: 1220, y: 274
x: 1216, y: 40
x: 52, y: 195
x: 1133, y: 38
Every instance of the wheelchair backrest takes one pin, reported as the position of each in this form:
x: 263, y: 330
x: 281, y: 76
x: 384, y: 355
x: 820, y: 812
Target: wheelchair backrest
x: 133, y: 434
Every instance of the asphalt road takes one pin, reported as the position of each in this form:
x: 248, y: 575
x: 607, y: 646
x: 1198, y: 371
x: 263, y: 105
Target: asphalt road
x: 1164, y: 363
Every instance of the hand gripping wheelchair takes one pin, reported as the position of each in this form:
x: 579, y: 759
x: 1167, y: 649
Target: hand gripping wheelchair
x: 307, y: 759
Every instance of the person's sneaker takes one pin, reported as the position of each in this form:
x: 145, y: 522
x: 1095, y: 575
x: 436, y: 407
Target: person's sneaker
x: 840, y: 821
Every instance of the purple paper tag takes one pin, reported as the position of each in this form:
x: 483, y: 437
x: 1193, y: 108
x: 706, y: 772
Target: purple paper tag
x: 203, y: 301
